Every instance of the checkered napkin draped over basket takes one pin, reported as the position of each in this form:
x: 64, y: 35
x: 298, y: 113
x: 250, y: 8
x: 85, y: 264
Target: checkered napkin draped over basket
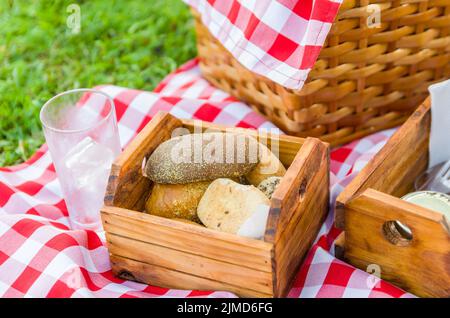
x: 41, y: 257
x: 279, y: 39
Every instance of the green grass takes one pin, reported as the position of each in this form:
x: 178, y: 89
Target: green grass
x: 126, y: 43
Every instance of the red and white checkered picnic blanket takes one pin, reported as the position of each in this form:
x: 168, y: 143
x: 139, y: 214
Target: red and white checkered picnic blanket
x: 279, y: 39
x: 41, y: 257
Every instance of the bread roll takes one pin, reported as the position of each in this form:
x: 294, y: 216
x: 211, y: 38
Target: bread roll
x: 227, y: 205
x: 176, y: 200
x: 269, y: 166
x: 202, y: 157
x: 269, y: 185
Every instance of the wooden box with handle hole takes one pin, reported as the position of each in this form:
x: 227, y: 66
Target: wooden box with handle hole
x: 173, y: 254
x: 409, y: 244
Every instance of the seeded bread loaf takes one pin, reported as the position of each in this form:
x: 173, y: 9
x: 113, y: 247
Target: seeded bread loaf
x: 227, y: 205
x: 176, y: 200
x: 202, y: 157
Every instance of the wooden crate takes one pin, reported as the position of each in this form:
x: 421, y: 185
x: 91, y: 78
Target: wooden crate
x: 173, y: 254
x: 368, y: 206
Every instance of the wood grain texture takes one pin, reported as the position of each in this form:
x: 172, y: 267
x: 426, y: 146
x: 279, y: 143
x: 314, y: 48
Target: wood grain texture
x: 189, y: 238
x: 299, y: 206
x: 159, y: 276
x: 301, y: 177
x: 175, y: 254
x: 394, y: 168
x: 421, y: 266
x: 191, y: 263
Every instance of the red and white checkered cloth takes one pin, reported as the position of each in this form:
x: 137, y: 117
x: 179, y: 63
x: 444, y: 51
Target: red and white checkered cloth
x: 279, y: 39
x: 41, y: 257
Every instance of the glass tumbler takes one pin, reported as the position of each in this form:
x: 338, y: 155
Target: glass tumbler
x: 81, y: 132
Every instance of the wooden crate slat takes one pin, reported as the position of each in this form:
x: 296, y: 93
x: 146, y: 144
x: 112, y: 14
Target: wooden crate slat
x: 296, y: 186
x: 190, y: 263
x: 189, y: 238
x: 163, y: 277
x: 414, y: 132
x: 291, y: 248
x: 293, y: 229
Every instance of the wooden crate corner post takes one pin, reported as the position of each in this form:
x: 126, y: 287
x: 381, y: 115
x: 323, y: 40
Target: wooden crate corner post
x: 299, y: 207
x: 126, y: 183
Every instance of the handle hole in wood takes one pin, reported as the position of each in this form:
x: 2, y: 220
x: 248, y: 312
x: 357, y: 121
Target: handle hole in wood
x: 397, y: 233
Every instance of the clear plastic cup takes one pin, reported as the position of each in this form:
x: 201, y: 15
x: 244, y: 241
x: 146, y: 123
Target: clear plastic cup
x: 81, y: 132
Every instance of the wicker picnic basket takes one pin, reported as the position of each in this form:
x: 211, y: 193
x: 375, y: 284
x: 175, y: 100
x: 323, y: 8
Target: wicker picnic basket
x: 365, y: 79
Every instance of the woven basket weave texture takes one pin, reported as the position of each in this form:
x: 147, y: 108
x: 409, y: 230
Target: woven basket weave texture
x: 365, y: 79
